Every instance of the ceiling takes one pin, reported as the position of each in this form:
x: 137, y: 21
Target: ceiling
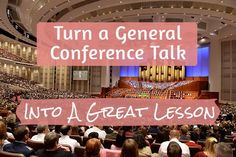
x: 215, y: 18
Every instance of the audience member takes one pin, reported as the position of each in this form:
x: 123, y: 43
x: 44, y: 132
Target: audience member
x: 21, y: 135
x: 129, y: 149
x: 193, y: 141
x: 119, y: 142
x: 223, y: 150
x: 93, y: 135
x: 92, y: 148
x: 143, y: 147
x: 174, y: 150
x: 174, y: 136
x: 65, y: 138
x: 102, y: 134
x: 209, y: 150
x: 114, y: 133
x: 3, y: 135
x: 52, y: 149
x: 184, y: 133
x: 42, y: 130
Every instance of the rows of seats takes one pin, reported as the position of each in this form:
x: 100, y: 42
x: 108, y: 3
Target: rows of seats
x: 13, y: 57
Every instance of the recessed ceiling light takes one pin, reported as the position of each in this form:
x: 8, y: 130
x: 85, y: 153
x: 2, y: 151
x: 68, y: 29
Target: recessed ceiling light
x: 221, y: 1
x: 213, y: 34
x: 200, y: 8
x: 99, y: 6
x: 120, y: 1
x: 137, y: 14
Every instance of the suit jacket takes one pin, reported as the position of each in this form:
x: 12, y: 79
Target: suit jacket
x: 18, y: 147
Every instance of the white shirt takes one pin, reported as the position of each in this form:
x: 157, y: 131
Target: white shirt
x: 10, y: 135
x: 163, y: 148
x: 101, y: 133
x: 65, y: 139
x: 38, y: 138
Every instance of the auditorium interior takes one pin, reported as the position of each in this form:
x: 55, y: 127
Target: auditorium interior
x: 214, y: 76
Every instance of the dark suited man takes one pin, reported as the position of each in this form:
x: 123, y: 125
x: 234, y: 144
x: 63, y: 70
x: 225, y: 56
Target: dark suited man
x: 52, y: 149
x: 21, y: 135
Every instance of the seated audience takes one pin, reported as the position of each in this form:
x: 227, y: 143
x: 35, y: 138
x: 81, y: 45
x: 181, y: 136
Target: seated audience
x: 223, y: 150
x: 184, y: 133
x: 129, y: 149
x: 93, y: 135
x: 143, y: 147
x: 3, y: 135
x: 119, y: 142
x: 42, y: 130
x: 102, y: 134
x: 52, y: 149
x: 65, y: 138
x: 127, y: 131
x: 209, y: 150
x: 174, y: 150
x: 162, y: 134
x: 174, y: 136
x: 21, y: 135
x: 114, y: 133
x: 92, y: 148
x: 193, y: 141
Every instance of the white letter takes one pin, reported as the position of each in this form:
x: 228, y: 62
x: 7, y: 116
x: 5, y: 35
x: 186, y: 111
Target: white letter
x: 59, y: 112
x: 140, y: 111
x: 187, y: 113
x: 45, y: 110
x: 52, y: 52
x: 181, y: 52
x: 178, y: 33
x: 58, y: 32
x: 169, y: 112
x: 195, y: 112
x: 85, y: 50
x: 130, y: 109
x: 155, y: 113
x: 154, y: 51
x: 26, y: 109
x: 122, y: 38
x: 207, y: 113
x: 103, y: 34
x: 91, y: 114
x: 73, y: 112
